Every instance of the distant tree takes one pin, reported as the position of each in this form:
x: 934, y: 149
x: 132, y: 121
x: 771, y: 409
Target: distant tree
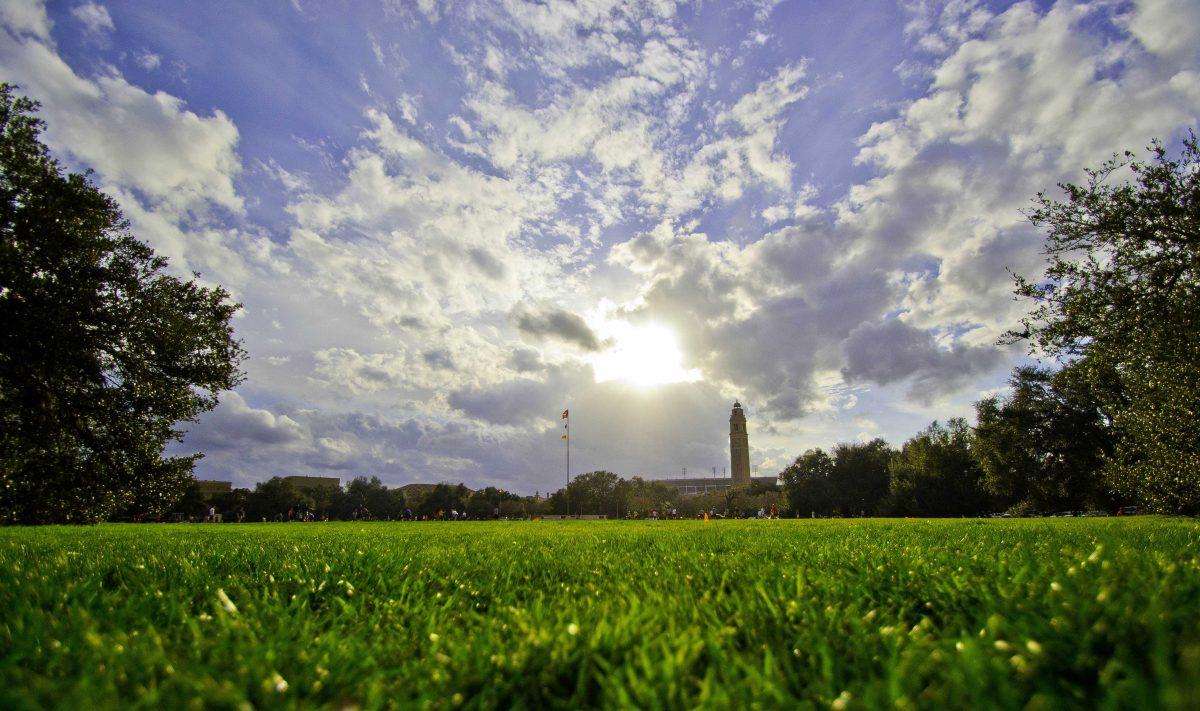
x: 485, y: 502
x: 936, y: 474
x: 513, y: 508
x: 371, y: 493
x: 192, y: 502
x: 698, y: 504
x: 860, y: 477
x: 808, y: 483
x: 229, y: 502
x: 640, y: 495
x: 101, y: 353
x: 479, y: 507
x: 747, y: 500
x: 1041, y: 448
x: 1121, y: 296
x: 590, y: 493
x: 535, y: 506
x: 274, y: 498
x: 443, y: 498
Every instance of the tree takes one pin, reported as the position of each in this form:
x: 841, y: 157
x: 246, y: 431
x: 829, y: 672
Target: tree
x: 484, y: 503
x: 101, y: 353
x: 381, y: 502
x: 1121, y: 296
x: 638, y: 494
x: 860, y: 477
x: 1041, y: 448
x: 935, y: 473
x: 590, y: 493
x: 442, y: 499
x: 274, y: 498
x: 808, y: 483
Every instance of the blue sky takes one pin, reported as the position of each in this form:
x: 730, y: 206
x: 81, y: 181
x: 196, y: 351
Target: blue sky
x: 448, y: 221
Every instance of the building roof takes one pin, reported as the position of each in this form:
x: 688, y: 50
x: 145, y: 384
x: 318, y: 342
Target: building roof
x: 714, y: 481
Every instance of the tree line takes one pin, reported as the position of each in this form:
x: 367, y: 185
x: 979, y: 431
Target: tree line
x: 1038, y: 449
x: 592, y: 493
x: 362, y: 498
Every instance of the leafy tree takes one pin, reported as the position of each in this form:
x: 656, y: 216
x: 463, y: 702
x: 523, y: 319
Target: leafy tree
x: 483, y: 503
x: 860, y: 477
x: 229, y: 502
x: 443, y: 498
x: 101, y: 353
x: 1041, y: 448
x: 1122, y: 295
x: 192, y: 502
x: 936, y: 474
x: 381, y: 502
x: 590, y: 493
x: 514, y: 508
x: 808, y: 483
x: 638, y: 494
x: 274, y: 498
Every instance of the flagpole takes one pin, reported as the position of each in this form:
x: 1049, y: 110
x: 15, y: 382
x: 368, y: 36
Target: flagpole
x: 566, y: 415
x: 568, y: 460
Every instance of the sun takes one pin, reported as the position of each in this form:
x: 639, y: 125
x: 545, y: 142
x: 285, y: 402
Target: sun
x: 644, y: 355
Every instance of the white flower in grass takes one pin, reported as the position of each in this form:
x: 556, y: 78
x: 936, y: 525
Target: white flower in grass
x: 842, y: 701
x: 226, y: 602
x: 572, y: 629
x: 278, y: 683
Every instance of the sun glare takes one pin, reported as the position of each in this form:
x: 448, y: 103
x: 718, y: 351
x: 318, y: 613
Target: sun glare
x: 643, y: 355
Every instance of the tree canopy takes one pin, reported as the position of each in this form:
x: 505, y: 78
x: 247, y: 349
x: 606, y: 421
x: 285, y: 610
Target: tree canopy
x: 1120, y: 299
x: 1042, y: 446
x: 102, y: 353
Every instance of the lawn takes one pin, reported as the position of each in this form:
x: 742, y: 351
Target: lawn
x: 844, y: 614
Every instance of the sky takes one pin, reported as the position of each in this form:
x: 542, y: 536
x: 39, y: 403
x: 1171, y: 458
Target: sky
x: 449, y: 221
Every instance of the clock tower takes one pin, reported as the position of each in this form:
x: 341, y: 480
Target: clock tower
x: 739, y: 447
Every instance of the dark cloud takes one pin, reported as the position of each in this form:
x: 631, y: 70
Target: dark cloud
x: 439, y: 358
x: 525, y: 360
x: 771, y: 354
x: 892, y: 351
x: 234, y: 424
x: 558, y: 324
x: 488, y: 263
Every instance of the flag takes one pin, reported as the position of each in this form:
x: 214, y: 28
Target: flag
x: 565, y: 414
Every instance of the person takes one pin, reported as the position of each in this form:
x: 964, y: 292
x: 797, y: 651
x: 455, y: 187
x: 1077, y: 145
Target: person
x: 241, y: 514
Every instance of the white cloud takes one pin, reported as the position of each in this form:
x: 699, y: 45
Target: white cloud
x: 94, y: 16
x: 1168, y: 28
x: 26, y: 17
x: 148, y: 60
x: 148, y: 142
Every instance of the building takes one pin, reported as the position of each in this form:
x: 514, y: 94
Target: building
x: 739, y: 459
x: 315, y: 484
x: 693, y: 486
x: 739, y: 447
x: 209, y: 488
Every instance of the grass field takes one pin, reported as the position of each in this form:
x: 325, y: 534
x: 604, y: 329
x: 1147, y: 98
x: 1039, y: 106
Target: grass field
x: 845, y: 614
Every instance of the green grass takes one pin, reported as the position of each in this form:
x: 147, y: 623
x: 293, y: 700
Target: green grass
x: 1099, y: 613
